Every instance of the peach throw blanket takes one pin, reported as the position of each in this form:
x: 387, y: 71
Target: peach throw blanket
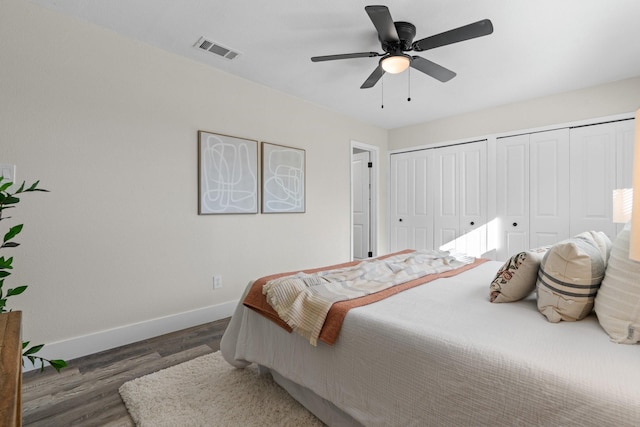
x: 315, y: 302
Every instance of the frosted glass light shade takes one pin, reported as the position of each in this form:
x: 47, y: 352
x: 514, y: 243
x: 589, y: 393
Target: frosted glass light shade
x: 395, y: 64
x: 634, y: 249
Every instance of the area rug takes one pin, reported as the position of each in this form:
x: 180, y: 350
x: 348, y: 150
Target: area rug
x: 207, y: 391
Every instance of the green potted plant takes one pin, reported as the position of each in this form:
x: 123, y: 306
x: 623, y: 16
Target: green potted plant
x: 9, y: 200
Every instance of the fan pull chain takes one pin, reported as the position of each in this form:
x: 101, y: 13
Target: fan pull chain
x: 409, y: 85
x: 382, y: 90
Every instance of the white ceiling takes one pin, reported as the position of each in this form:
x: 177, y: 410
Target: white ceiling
x: 538, y: 48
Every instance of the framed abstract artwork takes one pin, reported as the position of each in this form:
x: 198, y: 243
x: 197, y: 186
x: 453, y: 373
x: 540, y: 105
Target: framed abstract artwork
x: 227, y: 174
x: 283, y: 179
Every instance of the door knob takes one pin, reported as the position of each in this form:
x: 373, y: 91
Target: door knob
x: 515, y: 224
x: 472, y: 223
x: 400, y: 220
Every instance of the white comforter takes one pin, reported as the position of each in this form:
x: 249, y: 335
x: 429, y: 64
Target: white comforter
x: 442, y: 355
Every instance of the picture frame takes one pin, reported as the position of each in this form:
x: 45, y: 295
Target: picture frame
x: 227, y: 174
x: 283, y: 179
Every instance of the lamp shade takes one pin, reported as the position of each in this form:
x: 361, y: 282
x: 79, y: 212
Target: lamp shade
x: 634, y: 248
x: 622, y: 203
x: 395, y: 64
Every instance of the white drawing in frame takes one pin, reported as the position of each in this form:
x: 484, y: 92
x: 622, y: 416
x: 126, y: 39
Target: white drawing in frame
x: 228, y: 181
x: 283, y: 179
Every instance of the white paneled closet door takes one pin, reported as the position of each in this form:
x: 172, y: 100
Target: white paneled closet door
x: 532, y: 199
x: 512, y: 195
x: 411, y: 216
x: 460, y: 207
x: 446, y: 190
x: 473, y: 198
x: 549, y: 186
x: 600, y: 163
x: 625, y: 135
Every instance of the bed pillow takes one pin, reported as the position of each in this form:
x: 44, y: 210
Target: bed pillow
x: 570, y: 274
x: 516, y: 279
x: 617, y: 304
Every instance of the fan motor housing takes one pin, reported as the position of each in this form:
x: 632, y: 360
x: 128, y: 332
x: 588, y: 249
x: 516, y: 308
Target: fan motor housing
x: 406, y: 33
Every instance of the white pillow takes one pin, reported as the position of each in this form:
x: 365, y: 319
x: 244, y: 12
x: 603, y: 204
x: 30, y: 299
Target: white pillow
x: 570, y: 275
x: 516, y: 279
x: 617, y: 304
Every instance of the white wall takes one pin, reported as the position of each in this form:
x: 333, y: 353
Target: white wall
x: 110, y: 126
x: 599, y: 101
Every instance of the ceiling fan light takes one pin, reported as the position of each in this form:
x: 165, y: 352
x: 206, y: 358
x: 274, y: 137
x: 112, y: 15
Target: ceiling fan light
x: 395, y: 64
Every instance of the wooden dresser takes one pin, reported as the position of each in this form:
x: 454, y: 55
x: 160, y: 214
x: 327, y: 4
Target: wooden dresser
x: 10, y: 369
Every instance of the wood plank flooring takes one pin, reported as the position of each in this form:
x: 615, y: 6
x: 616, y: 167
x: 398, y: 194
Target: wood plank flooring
x: 86, y: 392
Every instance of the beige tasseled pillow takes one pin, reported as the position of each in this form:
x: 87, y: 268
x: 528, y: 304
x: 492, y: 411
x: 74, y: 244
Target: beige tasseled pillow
x: 516, y: 279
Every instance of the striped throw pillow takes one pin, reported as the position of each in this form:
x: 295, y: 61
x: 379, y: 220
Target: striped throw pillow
x: 570, y: 274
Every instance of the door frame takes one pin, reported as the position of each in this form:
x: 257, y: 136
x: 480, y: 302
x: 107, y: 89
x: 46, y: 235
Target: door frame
x: 374, y: 157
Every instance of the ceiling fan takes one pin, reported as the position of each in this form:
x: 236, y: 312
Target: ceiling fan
x: 396, y: 38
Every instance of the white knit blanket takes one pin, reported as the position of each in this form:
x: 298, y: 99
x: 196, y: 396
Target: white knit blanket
x: 303, y: 300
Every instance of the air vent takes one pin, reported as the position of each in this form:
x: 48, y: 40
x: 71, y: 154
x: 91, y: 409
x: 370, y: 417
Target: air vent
x: 216, y: 48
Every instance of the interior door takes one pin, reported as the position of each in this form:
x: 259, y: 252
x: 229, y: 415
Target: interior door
x: 625, y: 135
x: 549, y: 198
x: 361, y: 199
x: 472, y: 161
x: 447, y: 205
x: 411, y: 203
x: 512, y: 195
x: 593, y: 178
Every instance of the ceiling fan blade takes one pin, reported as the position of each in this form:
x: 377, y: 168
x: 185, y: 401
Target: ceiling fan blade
x: 373, y: 78
x: 471, y: 31
x: 344, y: 56
x: 432, y: 69
x: 383, y: 22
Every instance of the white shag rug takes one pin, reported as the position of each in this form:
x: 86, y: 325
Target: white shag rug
x: 207, y: 391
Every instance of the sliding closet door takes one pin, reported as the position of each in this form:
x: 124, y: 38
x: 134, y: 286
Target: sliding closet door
x: 625, y: 135
x: 446, y: 203
x: 549, y: 200
x: 473, y: 198
x: 512, y: 195
x: 460, y: 206
x: 593, y: 163
x: 411, y: 210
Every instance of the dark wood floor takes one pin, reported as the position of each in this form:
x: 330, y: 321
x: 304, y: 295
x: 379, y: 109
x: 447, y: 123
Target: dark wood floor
x: 86, y: 392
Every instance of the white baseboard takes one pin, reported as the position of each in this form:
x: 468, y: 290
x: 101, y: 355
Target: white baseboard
x: 105, y: 340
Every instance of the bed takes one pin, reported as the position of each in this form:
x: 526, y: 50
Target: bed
x: 442, y: 354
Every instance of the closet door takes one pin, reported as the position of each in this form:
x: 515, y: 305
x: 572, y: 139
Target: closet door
x: 549, y: 200
x: 446, y: 190
x: 625, y: 134
x: 512, y: 195
x: 593, y: 173
x: 473, y: 198
x: 411, y: 210
x: 460, y: 207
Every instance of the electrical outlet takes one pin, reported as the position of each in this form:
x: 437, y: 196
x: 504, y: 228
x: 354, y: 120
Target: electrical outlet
x: 217, y: 282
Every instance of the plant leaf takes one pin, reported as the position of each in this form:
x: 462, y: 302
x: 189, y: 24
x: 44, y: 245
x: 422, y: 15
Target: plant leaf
x: 10, y: 200
x: 33, y: 350
x: 6, y: 263
x: 5, y: 186
x: 16, y: 291
x: 4, y: 274
x: 13, y: 232
x: 58, y: 364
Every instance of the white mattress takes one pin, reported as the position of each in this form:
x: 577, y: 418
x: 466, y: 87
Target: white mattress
x: 442, y: 354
